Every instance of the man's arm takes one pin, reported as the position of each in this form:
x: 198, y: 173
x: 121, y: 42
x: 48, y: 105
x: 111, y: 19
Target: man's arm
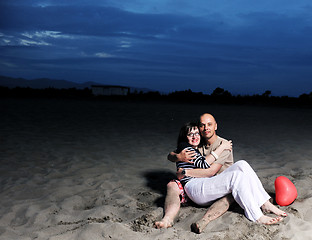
x: 184, y: 156
x: 200, y: 173
x: 222, y: 152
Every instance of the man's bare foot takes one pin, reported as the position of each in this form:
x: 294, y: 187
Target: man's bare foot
x: 268, y: 207
x: 199, y: 226
x: 269, y: 220
x: 164, y: 223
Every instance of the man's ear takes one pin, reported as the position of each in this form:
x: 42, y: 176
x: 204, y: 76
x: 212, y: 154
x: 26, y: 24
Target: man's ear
x: 216, y: 127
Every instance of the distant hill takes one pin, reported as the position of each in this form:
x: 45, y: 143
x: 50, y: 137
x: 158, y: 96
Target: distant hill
x: 42, y: 83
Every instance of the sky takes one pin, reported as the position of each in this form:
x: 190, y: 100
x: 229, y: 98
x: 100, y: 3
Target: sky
x: 242, y: 46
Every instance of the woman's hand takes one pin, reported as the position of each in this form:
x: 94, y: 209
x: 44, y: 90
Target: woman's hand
x: 179, y: 174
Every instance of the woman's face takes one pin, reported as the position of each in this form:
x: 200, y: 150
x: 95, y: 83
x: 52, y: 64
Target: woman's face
x: 193, y: 137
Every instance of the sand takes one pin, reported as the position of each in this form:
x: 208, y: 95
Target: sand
x: 78, y: 169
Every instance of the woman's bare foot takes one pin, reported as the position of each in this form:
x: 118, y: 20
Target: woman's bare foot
x: 164, y: 223
x: 268, y: 207
x: 269, y: 220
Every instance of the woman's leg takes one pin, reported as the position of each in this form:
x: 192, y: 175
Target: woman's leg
x: 172, y: 206
x: 203, y: 191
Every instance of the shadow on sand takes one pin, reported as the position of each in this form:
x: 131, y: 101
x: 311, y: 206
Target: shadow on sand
x: 157, y: 181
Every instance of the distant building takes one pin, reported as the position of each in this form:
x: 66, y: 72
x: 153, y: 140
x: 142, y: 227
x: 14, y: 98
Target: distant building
x: 108, y: 90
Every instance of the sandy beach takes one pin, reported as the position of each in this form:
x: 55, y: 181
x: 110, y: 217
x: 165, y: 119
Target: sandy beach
x: 78, y: 169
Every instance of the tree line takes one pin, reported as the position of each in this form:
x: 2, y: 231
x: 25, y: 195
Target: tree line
x: 219, y: 95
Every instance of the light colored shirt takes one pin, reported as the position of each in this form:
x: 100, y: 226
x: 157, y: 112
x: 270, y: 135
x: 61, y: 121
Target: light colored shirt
x: 225, y: 158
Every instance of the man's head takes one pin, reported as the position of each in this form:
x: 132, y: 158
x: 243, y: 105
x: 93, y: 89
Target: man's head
x: 208, y: 127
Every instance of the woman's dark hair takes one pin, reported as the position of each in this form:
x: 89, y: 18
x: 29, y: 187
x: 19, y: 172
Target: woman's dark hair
x: 184, y: 131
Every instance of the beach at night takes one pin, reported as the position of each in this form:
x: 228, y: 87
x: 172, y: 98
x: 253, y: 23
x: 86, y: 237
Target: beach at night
x: 98, y: 169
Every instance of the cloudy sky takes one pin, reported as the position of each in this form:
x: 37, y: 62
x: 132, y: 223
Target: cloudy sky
x: 243, y: 46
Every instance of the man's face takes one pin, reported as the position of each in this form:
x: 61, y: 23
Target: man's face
x: 207, y: 126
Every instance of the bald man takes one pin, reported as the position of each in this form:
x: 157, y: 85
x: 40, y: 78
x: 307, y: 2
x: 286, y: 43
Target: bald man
x: 207, y: 128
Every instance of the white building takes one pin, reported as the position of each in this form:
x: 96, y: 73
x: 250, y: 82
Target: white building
x: 108, y: 90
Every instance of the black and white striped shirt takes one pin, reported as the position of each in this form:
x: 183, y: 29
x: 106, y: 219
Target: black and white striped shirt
x: 198, y: 162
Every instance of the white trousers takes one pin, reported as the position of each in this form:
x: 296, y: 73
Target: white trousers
x: 240, y: 180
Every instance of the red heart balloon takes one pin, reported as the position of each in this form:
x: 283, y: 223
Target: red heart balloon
x: 285, y: 191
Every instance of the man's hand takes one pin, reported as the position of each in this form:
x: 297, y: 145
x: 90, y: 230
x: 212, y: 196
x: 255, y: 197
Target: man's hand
x: 186, y: 155
x: 227, y: 145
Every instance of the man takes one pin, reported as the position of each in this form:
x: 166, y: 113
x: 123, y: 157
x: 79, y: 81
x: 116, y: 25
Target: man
x: 207, y: 128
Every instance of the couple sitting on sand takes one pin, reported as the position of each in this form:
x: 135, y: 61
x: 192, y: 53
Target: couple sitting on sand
x: 206, y: 173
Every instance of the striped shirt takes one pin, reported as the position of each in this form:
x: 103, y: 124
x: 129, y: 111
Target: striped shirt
x: 198, y: 162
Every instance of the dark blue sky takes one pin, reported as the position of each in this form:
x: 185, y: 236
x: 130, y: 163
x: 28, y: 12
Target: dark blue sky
x: 243, y: 46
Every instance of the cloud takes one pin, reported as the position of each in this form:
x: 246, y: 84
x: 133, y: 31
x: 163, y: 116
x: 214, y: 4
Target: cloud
x: 46, y: 34
x: 90, y: 21
x: 8, y: 64
x: 103, y: 55
x: 198, y: 41
x: 254, y: 27
x: 25, y: 42
x: 125, y: 44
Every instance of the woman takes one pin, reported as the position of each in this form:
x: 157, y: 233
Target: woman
x: 175, y: 192
x: 239, y: 179
x: 189, y: 138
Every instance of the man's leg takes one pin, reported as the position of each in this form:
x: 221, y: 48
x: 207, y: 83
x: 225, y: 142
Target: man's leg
x: 172, y: 206
x: 217, y: 209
